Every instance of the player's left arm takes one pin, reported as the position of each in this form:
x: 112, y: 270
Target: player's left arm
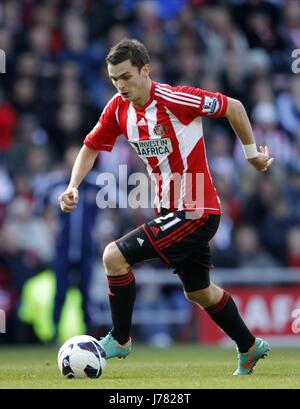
x: 239, y: 121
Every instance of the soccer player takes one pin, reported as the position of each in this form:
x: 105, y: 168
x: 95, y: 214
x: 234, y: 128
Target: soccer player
x: 163, y: 125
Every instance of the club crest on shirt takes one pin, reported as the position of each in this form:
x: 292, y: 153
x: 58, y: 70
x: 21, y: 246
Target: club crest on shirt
x: 160, y: 130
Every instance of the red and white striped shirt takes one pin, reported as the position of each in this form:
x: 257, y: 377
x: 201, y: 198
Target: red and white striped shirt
x: 167, y: 135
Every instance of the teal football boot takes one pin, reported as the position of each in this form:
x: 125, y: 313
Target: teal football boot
x: 113, y: 349
x: 248, y: 360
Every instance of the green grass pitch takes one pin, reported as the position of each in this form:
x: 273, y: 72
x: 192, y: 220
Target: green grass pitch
x: 178, y: 367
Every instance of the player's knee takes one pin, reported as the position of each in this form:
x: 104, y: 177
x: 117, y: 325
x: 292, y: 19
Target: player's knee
x: 110, y: 254
x: 114, y: 261
x: 192, y: 296
x: 207, y: 297
x: 200, y: 297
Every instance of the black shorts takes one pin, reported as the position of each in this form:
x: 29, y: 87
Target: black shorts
x: 180, y: 242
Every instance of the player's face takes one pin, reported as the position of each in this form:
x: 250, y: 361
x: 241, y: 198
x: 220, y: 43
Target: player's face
x: 130, y: 82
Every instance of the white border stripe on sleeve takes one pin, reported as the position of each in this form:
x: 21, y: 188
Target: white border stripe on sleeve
x: 178, y: 94
x: 179, y: 98
x: 177, y: 101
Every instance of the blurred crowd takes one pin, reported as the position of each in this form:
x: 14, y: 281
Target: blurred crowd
x: 56, y: 86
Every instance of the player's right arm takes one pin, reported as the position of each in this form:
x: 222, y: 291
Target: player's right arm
x: 83, y: 164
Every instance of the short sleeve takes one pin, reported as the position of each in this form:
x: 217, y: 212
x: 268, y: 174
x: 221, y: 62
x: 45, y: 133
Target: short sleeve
x: 213, y: 104
x: 190, y: 102
x: 106, y: 131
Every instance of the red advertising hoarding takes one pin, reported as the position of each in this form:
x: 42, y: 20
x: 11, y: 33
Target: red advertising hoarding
x: 273, y: 313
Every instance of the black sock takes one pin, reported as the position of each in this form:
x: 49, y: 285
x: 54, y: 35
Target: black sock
x: 226, y: 315
x: 121, y: 297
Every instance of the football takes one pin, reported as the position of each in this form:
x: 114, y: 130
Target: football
x: 81, y: 357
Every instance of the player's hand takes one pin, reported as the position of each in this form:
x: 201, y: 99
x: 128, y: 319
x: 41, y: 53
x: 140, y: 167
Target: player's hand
x: 68, y: 199
x: 262, y: 161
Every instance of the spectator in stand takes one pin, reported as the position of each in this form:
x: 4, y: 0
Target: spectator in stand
x: 266, y: 131
x: 291, y: 189
x: 250, y: 252
x: 288, y: 103
x: 291, y: 13
x: 8, y: 122
x: 258, y: 202
x: 274, y: 228
x: 23, y: 258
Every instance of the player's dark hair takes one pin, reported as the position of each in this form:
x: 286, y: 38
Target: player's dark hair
x: 128, y: 49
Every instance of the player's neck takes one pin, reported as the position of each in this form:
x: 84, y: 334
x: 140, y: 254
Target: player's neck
x: 145, y: 95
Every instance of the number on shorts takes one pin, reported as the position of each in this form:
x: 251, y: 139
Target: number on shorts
x: 171, y: 223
